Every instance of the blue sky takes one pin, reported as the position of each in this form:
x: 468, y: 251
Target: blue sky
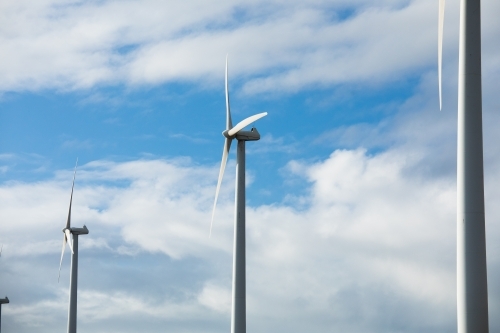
x: 350, y: 191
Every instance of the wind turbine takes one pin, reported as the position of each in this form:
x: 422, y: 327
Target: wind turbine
x: 2, y: 301
x: 472, y: 286
x: 73, y: 245
x: 238, y: 309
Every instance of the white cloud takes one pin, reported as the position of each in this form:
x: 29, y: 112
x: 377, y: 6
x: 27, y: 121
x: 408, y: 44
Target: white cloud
x: 274, y: 46
x: 216, y: 298
x: 375, y: 239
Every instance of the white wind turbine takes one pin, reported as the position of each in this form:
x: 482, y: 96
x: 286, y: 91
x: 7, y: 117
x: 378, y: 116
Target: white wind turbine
x: 238, y: 309
x: 472, y: 286
x: 73, y: 245
x: 2, y: 301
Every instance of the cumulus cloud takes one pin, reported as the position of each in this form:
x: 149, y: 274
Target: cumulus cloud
x: 372, y: 247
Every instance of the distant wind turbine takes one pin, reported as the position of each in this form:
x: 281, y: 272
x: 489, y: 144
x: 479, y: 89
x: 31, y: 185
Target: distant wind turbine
x: 73, y: 244
x: 238, y: 310
x: 472, y: 286
x: 2, y: 301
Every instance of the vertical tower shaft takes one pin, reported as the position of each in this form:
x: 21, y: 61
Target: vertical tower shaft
x: 472, y: 293
x: 73, y: 284
x: 238, y: 313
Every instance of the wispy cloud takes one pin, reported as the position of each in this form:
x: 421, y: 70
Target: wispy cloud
x: 77, y: 144
x: 269, y: 144
x: 190, y: 138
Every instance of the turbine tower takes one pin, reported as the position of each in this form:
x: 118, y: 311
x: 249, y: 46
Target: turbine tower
x: 2, y: 301
x: 73, y: 245
x: 472, y: 286
x: 238, y: 309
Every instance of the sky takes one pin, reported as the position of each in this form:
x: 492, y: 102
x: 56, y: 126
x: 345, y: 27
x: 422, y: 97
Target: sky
x: 351, y: 190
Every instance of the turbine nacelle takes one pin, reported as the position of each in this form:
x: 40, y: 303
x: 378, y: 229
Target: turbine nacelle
x: 252, y: 135
x: 4, y: 300
x: 80, y: 231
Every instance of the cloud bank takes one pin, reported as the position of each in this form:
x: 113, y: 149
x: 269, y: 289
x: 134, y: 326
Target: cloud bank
x: 370, y: 248
x: 274, y: 45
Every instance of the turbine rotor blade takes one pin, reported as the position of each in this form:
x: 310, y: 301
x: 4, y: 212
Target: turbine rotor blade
x: 225, y: 153
x: 68, y: 222
x: 62, y: 255
x: 67, y: 233
x: 245, y: 122
x: 229, y: 123
x: 440, y: 49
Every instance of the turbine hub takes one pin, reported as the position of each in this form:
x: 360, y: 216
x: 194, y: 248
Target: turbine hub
x: 226, y: 134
